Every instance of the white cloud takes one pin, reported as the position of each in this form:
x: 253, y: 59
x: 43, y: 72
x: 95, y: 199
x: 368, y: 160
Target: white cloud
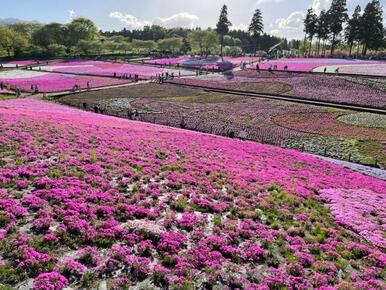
x: 130, y: 21
x: 319, y: 5
x: 291, y: 27
x: 72, y: 15
x: 184, y: 19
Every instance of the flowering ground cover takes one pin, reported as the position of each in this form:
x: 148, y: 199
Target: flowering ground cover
x: 104, y: 68
x: 364, y: 120
x: 53, y: 82
x: 181, y: 59
x: 318, y: 87
x: 318, y: 64
x: 378, y: 69
x: 90, y: 200
x: 227, y: 115
x: 211, y: 62
x: 354, y: 139
x: 340, y: 148
x: 215, y: 113
x: 374, y: 83
x: 326, y: 123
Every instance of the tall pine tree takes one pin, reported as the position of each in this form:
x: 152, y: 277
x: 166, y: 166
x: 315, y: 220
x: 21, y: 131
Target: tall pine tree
x: 223, y: 26
x: 310, y: 26
x: 353, y: 28
x: 372, y: 32
x: 337, y: 15
x: 256, y: 27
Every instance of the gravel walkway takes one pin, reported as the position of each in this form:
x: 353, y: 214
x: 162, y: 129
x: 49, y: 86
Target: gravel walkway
x: 367, y: 170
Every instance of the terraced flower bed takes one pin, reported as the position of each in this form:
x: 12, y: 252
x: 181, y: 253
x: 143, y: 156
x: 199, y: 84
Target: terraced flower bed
x: 326, y: 124
x: 371, y: 69
x: 364, y: 120
x: 90, y: 200
x: 53, y: 82
x: 352, y: 141
x: 333, y: 147
x: 227, y: 115
x: 319, y: 64
x: 317, y: 87
x: 216, y: 113
x: 104, y: 68
x: 211, y: 63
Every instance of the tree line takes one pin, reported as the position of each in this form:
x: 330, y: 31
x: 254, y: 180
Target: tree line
x: 363, y: 29
x: 81, y: 36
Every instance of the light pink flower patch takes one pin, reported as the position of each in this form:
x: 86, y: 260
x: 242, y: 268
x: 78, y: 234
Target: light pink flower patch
x: 308, y: 64
x: 360, y: 209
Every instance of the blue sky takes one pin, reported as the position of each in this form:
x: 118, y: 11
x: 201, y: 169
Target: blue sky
x: 281, y: 17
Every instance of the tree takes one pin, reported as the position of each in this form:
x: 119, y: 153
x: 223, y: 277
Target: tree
x: 56, y: 50
x: 196, y: 40
x: 321, y: 29
x: 172, y: 44
x: 21, y: 36
x: 210, y: 42
x: 233, y: 50
x: 144, y: 45
x: 6, y: 39
x: 353, y: 28
x: 186, y: 47
x: 203, y: 41
x: 89, y: 46
x: 337, y: 15
x: 53, y: 33
x: 310, y: 26
x: 372, y: 32
x: 223, y: 26
x: 256, y: 27
x: 228, y: 40
x: 80, y: 29
x: 124, y: 46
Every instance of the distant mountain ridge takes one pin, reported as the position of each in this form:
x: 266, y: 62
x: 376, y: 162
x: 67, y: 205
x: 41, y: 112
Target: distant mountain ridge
x: 11, y: 20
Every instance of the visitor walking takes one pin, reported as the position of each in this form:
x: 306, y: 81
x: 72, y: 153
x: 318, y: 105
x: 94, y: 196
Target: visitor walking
x: 130, y: 114
x: 243, y: 134
x: 183, y: 123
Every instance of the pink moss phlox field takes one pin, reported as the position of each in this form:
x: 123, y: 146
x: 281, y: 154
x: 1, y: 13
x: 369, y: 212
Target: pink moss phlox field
x: 105, y: 68
x: 54, y: 82
x: 318, y: 87
x: 205, y: 62
x: 308, y: 64
x: 87, y: 197
x: 363, y: 210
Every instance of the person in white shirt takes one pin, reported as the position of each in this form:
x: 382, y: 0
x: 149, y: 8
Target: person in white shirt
x: 243, y: 134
